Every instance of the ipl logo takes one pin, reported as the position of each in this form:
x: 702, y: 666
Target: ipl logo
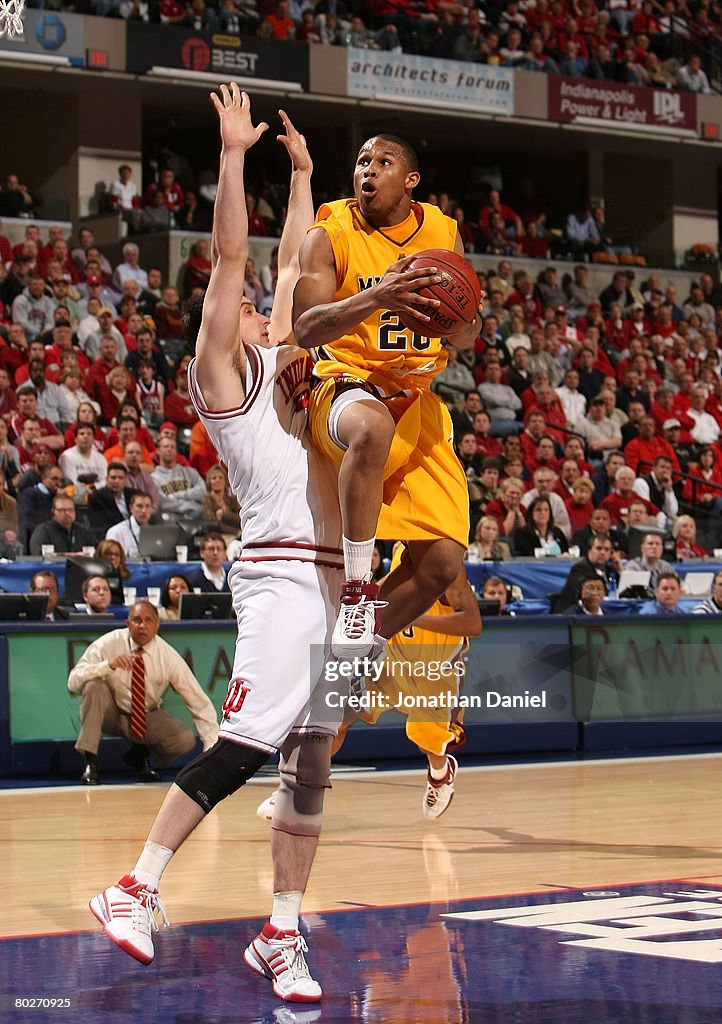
x: 668, y: 107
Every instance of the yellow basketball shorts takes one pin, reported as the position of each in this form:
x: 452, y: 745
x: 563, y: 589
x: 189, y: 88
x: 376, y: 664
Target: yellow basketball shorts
x: 431, y: 728
x: 425, y: 494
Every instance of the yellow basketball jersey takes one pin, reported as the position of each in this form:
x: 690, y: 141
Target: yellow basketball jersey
x: 362, y: 255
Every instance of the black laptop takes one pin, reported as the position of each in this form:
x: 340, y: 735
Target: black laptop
x: 206, y: 606
x: 488, y: 607
x: 23, y: 607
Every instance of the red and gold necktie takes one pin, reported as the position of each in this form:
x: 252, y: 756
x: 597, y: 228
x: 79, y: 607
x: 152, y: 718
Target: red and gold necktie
x: 137, y: 696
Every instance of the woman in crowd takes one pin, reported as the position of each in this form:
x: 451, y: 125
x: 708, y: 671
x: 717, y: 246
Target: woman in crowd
x: 704, y: 472
x: 118, y: 387
x: 539, y: 533
x: 486, y: 546
x: 111, y: 551
x: 696, y: 327
x: 169, y: 610
x: 684, y: 532
x: 219, y: 504
x: 580, y: 505
x: 71, y: 386
x: 506, y: 509
x: 86, y: 414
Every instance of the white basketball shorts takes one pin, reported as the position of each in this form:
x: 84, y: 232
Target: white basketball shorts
x: 286, y: 611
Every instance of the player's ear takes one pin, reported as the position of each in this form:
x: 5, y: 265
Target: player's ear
x: 412, y: 180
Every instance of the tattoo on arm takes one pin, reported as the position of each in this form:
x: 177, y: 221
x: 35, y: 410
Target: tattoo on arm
x: 326, y: 317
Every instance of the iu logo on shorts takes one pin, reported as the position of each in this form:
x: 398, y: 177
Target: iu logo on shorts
x: 237, y: 693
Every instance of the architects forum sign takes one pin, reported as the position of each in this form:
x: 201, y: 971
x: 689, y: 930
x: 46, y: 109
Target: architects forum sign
x: 608, y: 104
x: 430, y: 81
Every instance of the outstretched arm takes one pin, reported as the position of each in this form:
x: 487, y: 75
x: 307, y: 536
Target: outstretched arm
x: 220, y: 361
x: 298, y: 220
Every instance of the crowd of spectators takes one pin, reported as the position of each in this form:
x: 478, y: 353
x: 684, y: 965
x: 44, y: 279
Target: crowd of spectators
x: 576, y: 414
x: 660, y: 43
x: 98, y: 434
x: 582, y: 416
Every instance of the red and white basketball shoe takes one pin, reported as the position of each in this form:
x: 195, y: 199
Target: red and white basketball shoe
x: 356, y: 626
x: 127, y: 912
x: 278, y: 955
x: 439, y: 795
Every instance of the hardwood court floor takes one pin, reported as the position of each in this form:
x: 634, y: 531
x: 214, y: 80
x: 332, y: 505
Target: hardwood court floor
x: 509, y: 830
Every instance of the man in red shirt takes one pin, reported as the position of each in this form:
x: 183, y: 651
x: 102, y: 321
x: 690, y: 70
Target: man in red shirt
x: 545, y: 455
x: 173, y: 195
x: 618, y: 502
x: 282, y: 26
x: 647, y: 447
x: 532, y: 434
x: 27, y: 397
x: 510, y: 218
x: 547, y: 402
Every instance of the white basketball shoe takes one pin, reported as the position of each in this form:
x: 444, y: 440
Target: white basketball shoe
x: 278, y: 955
x: 356, y: 626
x: 439, y: 794
x: 128, y: 913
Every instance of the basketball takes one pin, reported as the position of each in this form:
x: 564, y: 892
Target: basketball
x: 458, y: 292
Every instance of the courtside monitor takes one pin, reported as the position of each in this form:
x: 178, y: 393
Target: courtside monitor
x: 23, y: 607
x: 79, y: 567
x: 205, y: 606
x: 488, y: 607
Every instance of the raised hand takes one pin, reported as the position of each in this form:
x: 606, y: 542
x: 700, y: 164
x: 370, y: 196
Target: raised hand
x: 295, y: 145
x: 234, y: 113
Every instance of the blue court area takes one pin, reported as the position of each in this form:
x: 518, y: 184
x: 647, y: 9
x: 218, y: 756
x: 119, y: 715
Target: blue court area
x: 645, y: 954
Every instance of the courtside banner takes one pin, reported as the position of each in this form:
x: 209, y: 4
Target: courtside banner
x: 150, y: 46
x: 52, y: 34
x: 374, y: 74
x: 612, y: 105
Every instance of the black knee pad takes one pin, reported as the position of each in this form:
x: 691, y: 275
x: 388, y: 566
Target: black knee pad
x: 218, y: 772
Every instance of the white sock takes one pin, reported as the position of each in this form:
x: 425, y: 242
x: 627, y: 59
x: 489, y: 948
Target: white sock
x: 286, y: 908
x: 357, y: 555
x: 439, y: 775
x: 151, y: 864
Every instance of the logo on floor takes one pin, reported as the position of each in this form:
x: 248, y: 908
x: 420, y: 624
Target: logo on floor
x: 677, y: 924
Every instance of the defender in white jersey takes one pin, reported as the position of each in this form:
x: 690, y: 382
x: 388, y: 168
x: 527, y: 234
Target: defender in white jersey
x: 290, y: 528
x: 252, y: 400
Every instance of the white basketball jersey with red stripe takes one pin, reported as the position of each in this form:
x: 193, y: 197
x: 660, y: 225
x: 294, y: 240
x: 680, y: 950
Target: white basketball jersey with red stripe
x: 287, y: 491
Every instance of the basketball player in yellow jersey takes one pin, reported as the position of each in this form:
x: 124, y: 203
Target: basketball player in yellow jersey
x: 372, y: 410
